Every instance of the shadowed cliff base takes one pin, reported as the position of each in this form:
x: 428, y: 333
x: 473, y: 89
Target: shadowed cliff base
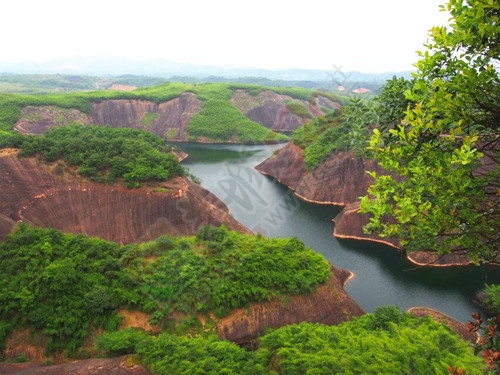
x: 31, y: 192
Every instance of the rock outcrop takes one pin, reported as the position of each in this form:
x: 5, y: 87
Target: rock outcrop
x: 167, y: 120
x: 272, y: 110
x: 38, y: 120
x: 329, y: 304
x: 31, y: 192
x: 349, y: 223
x: 170, y: 119
x: 340, y: 180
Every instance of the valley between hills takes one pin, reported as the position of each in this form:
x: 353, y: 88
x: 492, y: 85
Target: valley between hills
x: 121, y: 253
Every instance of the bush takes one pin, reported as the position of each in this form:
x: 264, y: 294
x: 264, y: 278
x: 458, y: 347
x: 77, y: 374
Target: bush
x: 121, y: 342
x: 490, y: 299
x: 103, y: 153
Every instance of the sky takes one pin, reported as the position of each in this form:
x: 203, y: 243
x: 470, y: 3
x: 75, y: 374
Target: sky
x: 362, y: 35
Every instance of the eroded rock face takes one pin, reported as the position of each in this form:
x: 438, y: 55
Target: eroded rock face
x: 167, y: 120
x: 170, y: 119
x: 349, y: 223
x: 271, y: 110
x: 37, y: 120
x: 30, y: 192
x: 340, y: 180
x: 329, y: 304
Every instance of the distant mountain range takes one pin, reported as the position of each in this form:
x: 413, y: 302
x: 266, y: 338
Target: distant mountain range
x: 113, y: 66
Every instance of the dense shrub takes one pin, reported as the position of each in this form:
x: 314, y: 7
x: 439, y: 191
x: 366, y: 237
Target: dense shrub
x: 221, y: 270
x: 62, y: 284
x: 103, y: 153
x: 386, y: 342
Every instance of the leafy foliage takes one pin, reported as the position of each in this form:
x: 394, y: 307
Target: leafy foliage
x: 349, y: 129
x: 169, y: 354
x: 124, y: 341
x: 446, y: 148
x: 220, y: 121
x: 490, y: 299
x: 103, y: 153
x: 385, y: 342
x: 488, y: 345
x: 339, y: 131
x: 62, y: 284
x: 298, y: 109
x: 221, y: 270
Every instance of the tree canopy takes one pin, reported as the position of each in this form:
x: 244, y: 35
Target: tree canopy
x: 384, y: 342
x: 442, y: 189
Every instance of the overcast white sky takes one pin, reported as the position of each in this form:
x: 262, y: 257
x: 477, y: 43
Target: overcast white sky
x: 364, y: 35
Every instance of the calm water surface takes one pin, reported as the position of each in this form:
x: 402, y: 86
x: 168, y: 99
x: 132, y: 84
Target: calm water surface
x: 383, y: 276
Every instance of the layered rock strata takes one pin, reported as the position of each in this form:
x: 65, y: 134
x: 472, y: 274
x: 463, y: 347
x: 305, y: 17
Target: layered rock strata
x: 31, y: 192
x: 329, y: 304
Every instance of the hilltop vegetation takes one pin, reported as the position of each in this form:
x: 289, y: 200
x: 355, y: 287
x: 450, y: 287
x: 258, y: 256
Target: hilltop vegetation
x: 57, y: 83
x: 66, y: 287
x: 350, y: 127
x: 104, y: 154
x: 385, y: 342
x: 217, y: 121
x: 62, y: 285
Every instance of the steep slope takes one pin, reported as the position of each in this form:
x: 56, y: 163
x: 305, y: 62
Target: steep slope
x: 168, y: 119
x: 275, y: 111
x: 341, y: 179
x: 329, y: 304
x: 31, y: 192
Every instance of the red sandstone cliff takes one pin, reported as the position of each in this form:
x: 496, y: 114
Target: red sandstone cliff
x: 329, y: 304
x: 341, y: 179
x: 170, y: 119
x: 31, y: 192
x: 272, y: 111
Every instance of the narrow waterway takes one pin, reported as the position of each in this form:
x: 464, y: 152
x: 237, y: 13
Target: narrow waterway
x: 383, y: 276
